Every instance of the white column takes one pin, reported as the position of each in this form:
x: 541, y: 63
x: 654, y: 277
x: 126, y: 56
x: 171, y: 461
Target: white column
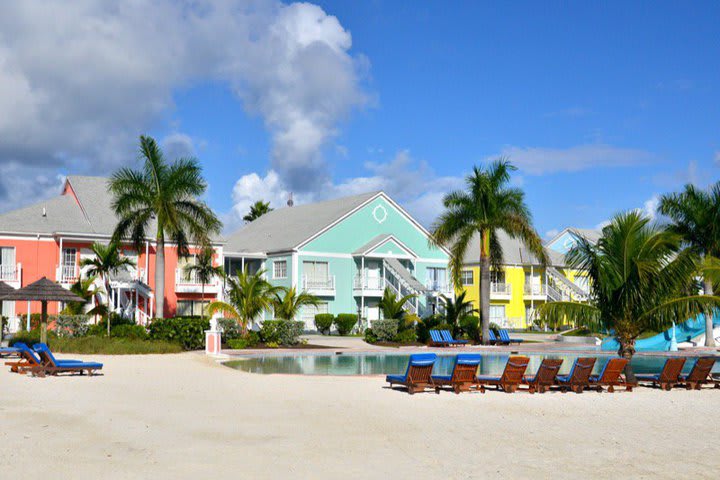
x: 27, y: 319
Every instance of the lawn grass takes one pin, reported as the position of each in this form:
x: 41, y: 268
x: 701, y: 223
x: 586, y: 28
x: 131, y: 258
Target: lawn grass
x: 112, y: 346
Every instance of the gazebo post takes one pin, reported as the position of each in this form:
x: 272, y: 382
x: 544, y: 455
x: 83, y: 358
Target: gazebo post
x: 43, y: 326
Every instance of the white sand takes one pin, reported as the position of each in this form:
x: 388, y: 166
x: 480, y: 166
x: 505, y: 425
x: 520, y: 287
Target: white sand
x: 181, y: 416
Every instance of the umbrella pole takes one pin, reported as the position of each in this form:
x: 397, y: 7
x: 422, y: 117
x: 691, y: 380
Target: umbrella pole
x: 43, y: 327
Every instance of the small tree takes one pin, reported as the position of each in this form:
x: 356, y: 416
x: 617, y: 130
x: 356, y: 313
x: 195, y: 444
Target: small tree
x: 288, y: 306
x: 205, y: 270
x: 457, y: 309
x: 107, y: 261
x: 393, y: 307
x: 85, y: 288
x: 248, y: 296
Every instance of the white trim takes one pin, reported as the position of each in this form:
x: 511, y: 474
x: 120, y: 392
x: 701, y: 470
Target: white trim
x: 259, y: 255
x: 294, y: 273
x: 34, y: 237
x: 322, y: 254
x: 390, y: 237
x: 274, y: 277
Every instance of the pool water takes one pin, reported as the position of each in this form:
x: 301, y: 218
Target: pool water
x: 396, y: 363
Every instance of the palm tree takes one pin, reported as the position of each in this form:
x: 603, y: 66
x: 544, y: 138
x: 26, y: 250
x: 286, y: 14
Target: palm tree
x: 488, y: 206
x: 393, y: 307
x: 696, y: 216
x: 85, y: 289
x: 205, y: 271
x: 162, y: 197
x: 107, y: 261
x: 288, y: 306
x: 457, y: 309
x: 639, y: 279
x: 248, y: 295
x: 257, y: 210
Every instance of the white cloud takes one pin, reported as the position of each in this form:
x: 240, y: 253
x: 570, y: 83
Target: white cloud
x: 80, y: 81
x: 178, y: 145
x: 540, y: 161
x: 650, y: 207
x: 717, y: 158
x: 552, y: 233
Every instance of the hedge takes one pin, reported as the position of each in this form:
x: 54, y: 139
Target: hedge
x: 385, y: 330
x: 188, y: 332
x: 345, y: 322
x: 323, y: 322
x: 281, y: 332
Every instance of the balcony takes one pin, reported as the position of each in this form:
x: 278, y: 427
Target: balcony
x: 67, y: 274
x: 189, y: 282
x: 500, y: 291
x: 324, y: 287
x: 369, y: 286
x: 438, y: 287
x: 535, y: 292
x: 11, y: 274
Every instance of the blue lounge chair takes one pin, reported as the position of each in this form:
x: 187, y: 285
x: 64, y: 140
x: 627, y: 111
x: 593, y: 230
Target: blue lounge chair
x: 417, y: 375
x: 579, y: 377
x: 28, y: 359
x: 436, y: 339
x: 492, y: 339
x: 447, y: 336
x: 463, y: 373
x: 9, y: 352
x: 505, y: 338
x: 52, y: 366
x: 510, y: 379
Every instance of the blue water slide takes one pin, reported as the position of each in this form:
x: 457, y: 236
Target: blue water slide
x: 684, y: 332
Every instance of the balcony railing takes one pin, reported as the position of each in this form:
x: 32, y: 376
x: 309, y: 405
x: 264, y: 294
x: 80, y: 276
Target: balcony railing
x: 369, y: 283
x: 189, y: 282
x: 500, y: 289
x: 439, y: 286
x: 10, y: 273
x: 318, y: 284
x: 535, y: 290
x: 68, y: 273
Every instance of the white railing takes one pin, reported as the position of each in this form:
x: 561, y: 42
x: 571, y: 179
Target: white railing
x: 500, y: 288
x: 141, y: 317
x: 190, y: 278
x: 438, y: 286
x: 535, y: 290
x: 369, y: 283
x: 10, y: 273
x: 318, y: 283
x: 507, y: 322
x: 68, y: 273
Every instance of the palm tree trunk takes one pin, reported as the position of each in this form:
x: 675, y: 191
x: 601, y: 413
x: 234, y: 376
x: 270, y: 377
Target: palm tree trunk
x: 160, y: 277
x: 107, y: 291
x: 627, y: 350
x: 485, y: 286
x: 709, y: 335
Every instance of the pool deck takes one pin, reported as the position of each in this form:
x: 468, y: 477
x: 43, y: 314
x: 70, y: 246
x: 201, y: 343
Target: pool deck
x: 356, y: 345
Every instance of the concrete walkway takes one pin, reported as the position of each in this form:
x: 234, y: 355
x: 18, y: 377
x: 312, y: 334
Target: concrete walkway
x: 352, y: 343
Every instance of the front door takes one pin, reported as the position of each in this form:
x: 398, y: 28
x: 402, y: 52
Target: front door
x: 373, y: 274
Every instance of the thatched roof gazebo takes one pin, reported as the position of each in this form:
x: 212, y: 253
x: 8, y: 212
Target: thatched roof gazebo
x: 42, y: 291
x: 4, y: 290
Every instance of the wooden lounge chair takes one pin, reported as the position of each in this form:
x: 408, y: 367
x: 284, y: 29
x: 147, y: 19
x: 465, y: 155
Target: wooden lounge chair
x: 28, y: 359
x: 668, y: 377
x: 52, y: 366
x: 436, y: 340
x: 579, y: 377
x: 9, y: 352
x: 463, y: 374
x: 445, y: 334
x: 700, y: 374
x: 544, y: 378
x: 417, y: 375
x: 509, y: 380
x: 611, y: 376
x: 505, y: 338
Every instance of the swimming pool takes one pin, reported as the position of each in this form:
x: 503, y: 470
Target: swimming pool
x: 392, y: 363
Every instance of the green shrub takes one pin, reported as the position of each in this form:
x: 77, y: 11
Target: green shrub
x: 425, y: 325
x: 469, y: 326
x: 370, y: 336
x: 231, y: 329
x: 35, y: 320
x: 345, y: 322
x: 29, y: 338
x: 495, y: 328
x: 281, y: 332
x: 72, y: 325
x: 385, y: 330
x: 323, y: 322
x: 112, y: 346
x: 250, y: 340
x: 135, y: 332
x: 188, y: 332
x: 406, y: 336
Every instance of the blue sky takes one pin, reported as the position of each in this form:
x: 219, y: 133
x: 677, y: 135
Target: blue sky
x: 602, y: 106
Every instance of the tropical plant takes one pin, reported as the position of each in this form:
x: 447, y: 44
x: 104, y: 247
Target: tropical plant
x: 162, y: 197
x: 393, y: 307
x: 457, y: 309
x: 106, y: 261
x: 489, y: 205
x: 257, y: 210
x: 205, y: 270
x: 247, y: 296
x: 639, y: 278
x: 695, y: 215
x: 86, y: 289
x: 288, y: 306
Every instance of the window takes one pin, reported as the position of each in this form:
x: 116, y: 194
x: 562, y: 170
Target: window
x: 7, y: 264
x: 69, y: 263
x: 497, y: 276
x: 436, y: 278
x: 317, y: 274
x: 309, y: 312
x: 280, y: 269
x: 467, y: 277
x: 497, y: 314
x: 190, y: 308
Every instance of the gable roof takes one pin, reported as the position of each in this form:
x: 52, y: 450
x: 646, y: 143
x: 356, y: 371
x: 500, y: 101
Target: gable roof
x: 285, y: 228
x: 514, y: 252
x: 379, y: 241
x: 591, y: 235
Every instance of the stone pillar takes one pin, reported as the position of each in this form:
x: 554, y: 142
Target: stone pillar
x: 213, y: 339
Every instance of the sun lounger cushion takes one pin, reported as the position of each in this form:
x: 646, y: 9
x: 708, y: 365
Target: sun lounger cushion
x: 416, y: 360
x: 41, y: 347
x: 447, y: 337
x: 505, y: 337
x: 436, y: 337
x: 491, y: 336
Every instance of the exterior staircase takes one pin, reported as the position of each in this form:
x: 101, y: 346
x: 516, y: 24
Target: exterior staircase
x: 398, y: 283
x: 560, y: 288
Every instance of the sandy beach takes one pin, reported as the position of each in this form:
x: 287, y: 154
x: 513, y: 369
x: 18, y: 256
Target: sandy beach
x: 184, y: 416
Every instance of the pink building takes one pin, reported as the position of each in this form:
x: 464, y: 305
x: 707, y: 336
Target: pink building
x: 50, y: 239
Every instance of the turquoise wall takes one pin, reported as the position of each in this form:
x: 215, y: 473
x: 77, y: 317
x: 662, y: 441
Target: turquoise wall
x: 344, y: 271
x: 362, y: 226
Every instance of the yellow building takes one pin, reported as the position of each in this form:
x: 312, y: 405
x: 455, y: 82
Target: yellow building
x: 522, y: 283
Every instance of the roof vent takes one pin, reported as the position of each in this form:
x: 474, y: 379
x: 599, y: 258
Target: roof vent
x: 44, y: 212
x: 290, y: 202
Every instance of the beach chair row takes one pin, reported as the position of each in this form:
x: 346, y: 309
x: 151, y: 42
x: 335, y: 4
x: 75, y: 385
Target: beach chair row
x: 418, y: 376
x: 40, y: 361
x: 443, y: 338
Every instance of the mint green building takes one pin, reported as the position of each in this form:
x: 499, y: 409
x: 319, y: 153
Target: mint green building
x: 345, y: 251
